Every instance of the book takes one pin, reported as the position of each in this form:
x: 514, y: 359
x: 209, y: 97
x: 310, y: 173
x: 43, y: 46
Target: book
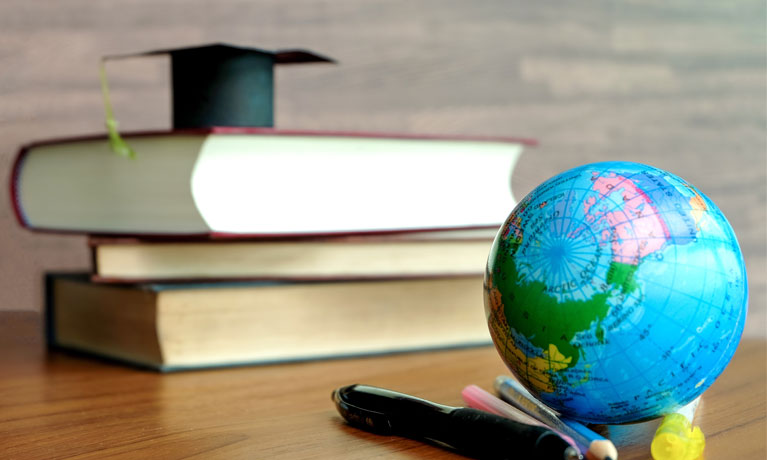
x: 191, y: 326
x: 237, y: 182
x: 438, y: 253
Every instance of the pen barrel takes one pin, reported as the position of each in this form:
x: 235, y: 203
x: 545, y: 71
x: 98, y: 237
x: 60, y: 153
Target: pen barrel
x: 483, y: 435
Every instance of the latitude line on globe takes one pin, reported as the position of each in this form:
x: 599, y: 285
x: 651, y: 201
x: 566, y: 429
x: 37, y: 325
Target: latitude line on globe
x: 672, y: 290
x: 598, y: 242
x: 580, y: 289
x: 638, y: 371
x: 639, y: 261
x: 684, y: 294
x: 617, y: 205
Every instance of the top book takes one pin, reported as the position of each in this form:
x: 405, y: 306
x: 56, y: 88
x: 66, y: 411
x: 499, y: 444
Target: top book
x: 224, y: 171
x: 264, y: 182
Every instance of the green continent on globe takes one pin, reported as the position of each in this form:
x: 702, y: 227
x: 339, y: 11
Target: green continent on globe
x: 549, y: 322
x: 622, y: 275
x: 535, y: 314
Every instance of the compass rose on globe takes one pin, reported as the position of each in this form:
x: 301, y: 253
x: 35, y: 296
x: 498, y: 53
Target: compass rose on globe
x: 616, y: 292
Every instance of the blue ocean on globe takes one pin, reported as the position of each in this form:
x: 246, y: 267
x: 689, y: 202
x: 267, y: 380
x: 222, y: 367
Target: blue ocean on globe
x: 616, y: 292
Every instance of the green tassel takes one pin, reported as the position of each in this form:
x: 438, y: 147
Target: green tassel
x: 116, y: 142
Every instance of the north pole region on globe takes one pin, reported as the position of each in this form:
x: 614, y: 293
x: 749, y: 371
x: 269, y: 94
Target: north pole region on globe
x: 616, y: 292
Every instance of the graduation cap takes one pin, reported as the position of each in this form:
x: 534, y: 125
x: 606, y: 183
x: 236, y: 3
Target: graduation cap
x: 225, y: 85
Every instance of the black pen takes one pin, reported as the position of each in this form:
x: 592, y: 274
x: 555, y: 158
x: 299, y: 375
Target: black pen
x: 469, y: 431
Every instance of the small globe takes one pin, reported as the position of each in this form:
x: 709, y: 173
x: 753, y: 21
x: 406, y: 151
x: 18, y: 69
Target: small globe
x: 616, y: 292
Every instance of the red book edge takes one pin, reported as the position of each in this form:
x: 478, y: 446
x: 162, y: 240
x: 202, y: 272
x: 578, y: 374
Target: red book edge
x: 96, y: 278
x: 24, y: 150
x: 387, y: 236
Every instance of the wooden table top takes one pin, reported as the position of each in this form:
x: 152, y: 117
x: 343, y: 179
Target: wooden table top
x: 55, y: 405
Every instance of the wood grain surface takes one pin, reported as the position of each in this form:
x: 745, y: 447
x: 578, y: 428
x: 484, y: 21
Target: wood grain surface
x: 62, y: 406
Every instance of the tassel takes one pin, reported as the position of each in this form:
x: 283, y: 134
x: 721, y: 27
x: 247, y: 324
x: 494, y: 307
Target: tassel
x: 116, y: 142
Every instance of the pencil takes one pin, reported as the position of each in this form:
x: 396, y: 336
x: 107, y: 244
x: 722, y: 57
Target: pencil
x: 599, y: 447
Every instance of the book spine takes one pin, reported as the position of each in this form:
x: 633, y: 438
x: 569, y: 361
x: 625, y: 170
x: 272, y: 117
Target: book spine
x: 49, y: 319
x: 13, y: 184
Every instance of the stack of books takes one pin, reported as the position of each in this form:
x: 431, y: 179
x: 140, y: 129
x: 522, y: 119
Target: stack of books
x: 228, y: 246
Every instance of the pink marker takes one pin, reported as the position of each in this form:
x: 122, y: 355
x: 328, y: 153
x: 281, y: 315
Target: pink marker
x: 478, y: 398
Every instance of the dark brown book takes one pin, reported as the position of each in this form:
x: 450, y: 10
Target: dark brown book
x: 189, y: 326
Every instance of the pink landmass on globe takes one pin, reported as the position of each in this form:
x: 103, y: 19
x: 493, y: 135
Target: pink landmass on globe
x: 638, y: 228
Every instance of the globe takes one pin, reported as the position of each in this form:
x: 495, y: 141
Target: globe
x: 616, y: 292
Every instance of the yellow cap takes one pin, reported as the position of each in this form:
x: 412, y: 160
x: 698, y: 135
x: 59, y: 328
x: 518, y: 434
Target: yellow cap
x: 675, y: 439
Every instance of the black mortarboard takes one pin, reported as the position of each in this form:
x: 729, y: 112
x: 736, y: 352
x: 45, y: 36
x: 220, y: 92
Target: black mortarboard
x: 225, y: 85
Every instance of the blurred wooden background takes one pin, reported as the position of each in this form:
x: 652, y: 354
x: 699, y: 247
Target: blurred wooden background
x: 680, y: 85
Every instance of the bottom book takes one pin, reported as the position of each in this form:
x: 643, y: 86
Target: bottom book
x: 171, y: 327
